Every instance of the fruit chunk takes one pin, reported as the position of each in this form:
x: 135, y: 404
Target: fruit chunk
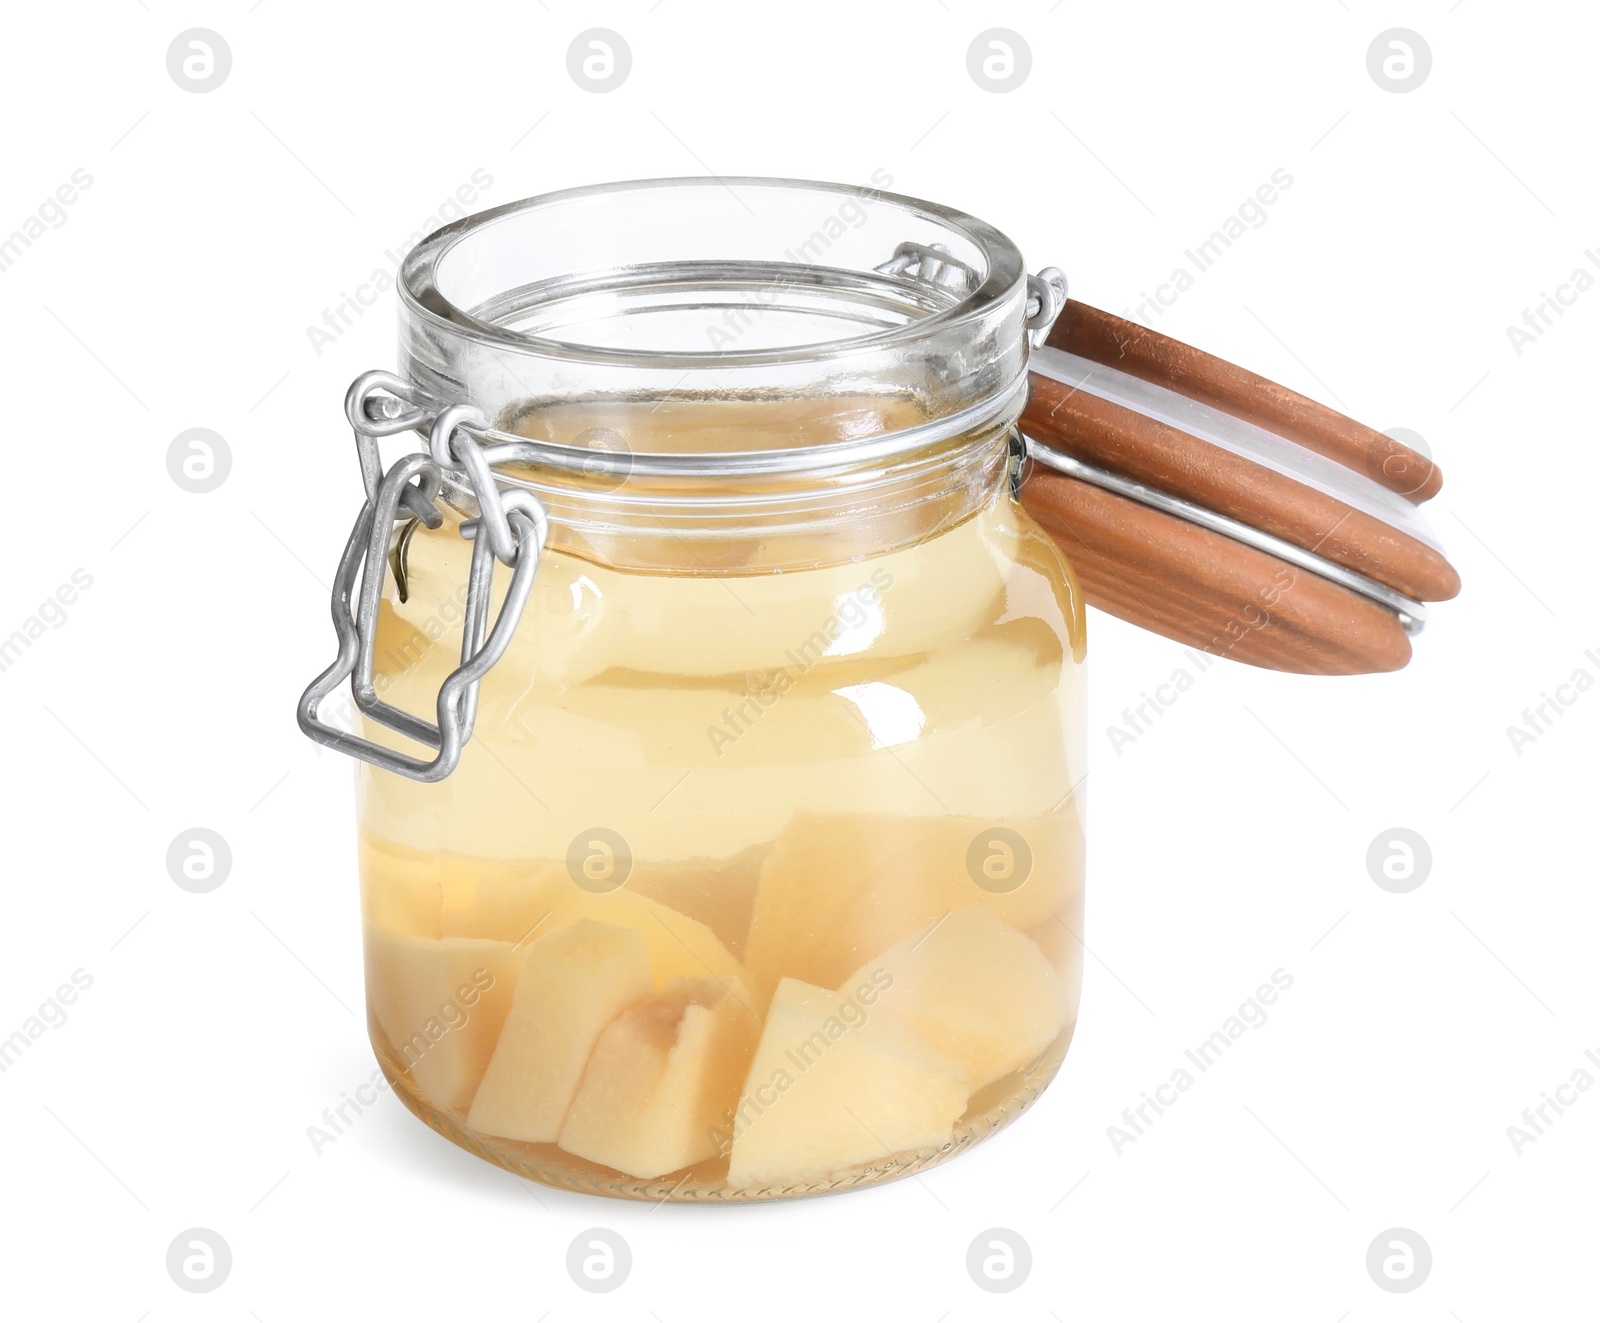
x: 399, y: 888
x: 838, y: 1081
x: 663, y: 1075
x: 976, y: 989
x: 445, y: 895
x: 719, y: 893
x: 839, y: 888
x: 509, y: 902
x: 573, y: 982
x: 440, y: 1004
x: 1057, y: 938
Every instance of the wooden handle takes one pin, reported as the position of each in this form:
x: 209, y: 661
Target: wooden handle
x: 1105, y: 338
x: 1208, y: 591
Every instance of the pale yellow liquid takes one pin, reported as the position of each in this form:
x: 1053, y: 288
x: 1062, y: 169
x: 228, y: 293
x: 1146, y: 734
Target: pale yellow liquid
x: 798, y: 763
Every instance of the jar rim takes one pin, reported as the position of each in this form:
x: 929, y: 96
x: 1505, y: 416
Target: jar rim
x: 422, y: 295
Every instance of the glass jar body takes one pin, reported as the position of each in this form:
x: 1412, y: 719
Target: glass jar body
x: 748, y: 884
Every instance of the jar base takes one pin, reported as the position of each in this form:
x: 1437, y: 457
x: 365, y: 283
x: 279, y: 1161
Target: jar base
x: 993, y: 1108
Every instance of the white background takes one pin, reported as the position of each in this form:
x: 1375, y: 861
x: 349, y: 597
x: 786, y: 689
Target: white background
x: 1226, y: 843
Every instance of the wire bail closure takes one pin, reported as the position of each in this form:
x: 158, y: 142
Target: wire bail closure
x: 511, y: 527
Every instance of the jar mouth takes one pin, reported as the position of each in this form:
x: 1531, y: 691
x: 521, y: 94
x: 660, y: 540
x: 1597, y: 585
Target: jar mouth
x: 743, y: 291
x: 493, y: 277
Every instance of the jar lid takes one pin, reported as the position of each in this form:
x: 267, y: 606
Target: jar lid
x: 1206, y: 503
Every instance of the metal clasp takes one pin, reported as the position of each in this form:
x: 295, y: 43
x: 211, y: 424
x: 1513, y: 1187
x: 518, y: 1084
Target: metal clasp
x: 934, y: 265
x: 512, y: 527
x: 1047, y: 296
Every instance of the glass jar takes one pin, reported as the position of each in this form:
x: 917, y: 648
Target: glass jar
x: 745, y: 858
